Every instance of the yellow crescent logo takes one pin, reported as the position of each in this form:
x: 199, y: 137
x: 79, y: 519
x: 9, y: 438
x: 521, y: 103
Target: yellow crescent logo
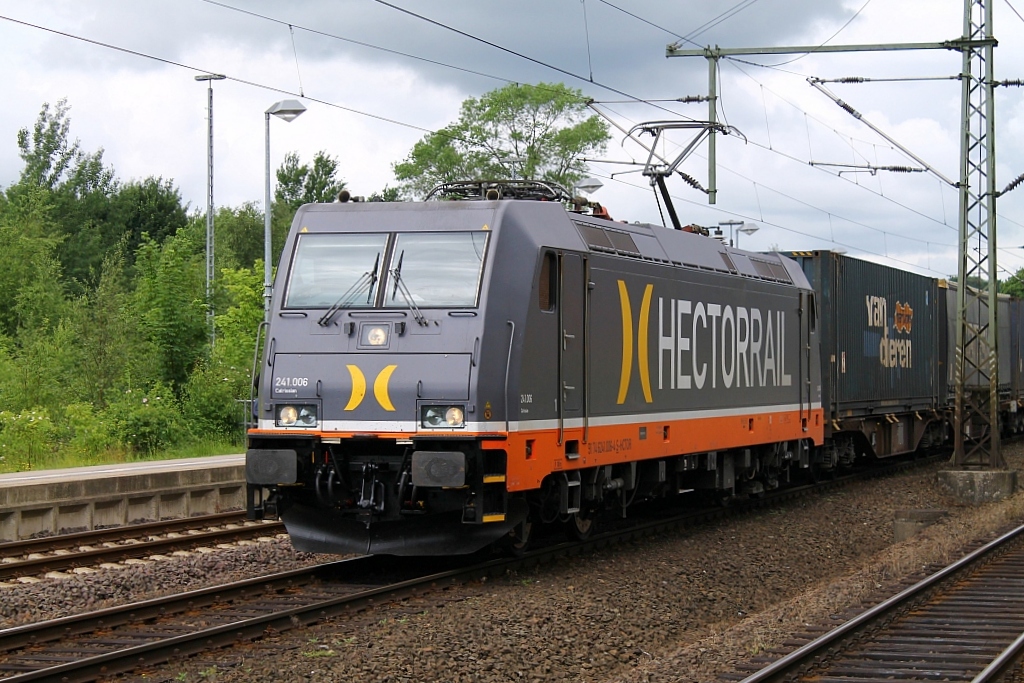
x: 358, y: 387
x: 627, y: 343
x: 380, y: 387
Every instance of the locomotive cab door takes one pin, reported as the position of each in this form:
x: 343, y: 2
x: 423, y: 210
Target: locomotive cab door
x: 571, y: 344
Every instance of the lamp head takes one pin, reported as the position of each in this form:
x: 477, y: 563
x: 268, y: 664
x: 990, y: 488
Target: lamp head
x: 588, y: 185
x: 287, y: 110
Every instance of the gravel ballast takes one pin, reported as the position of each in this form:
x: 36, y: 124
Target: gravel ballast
x: 685, y: 606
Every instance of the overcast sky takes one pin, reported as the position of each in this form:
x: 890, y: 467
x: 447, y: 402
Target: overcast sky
x: 376, y: 78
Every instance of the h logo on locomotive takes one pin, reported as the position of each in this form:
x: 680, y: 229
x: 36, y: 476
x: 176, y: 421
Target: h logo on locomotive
x: 627, y: 343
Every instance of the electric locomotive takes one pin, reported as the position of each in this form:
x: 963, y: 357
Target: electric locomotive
x: 440, y: 376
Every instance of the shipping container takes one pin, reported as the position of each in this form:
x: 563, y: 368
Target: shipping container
x: 1006, y: 348
x: 883, y: 352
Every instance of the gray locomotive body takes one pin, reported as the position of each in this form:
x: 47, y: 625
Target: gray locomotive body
x: 437, y: 376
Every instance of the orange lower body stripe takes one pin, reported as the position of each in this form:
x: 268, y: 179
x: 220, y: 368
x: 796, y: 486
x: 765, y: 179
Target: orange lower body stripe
x: 613, y: 444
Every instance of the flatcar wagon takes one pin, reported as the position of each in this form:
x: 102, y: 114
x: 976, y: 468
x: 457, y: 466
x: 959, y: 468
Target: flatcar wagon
x: 440, y: 376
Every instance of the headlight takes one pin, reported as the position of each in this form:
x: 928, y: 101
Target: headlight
x: 454, y: 417
x: 296, y: 416
x: 375, y: 335
x: 440, y: 417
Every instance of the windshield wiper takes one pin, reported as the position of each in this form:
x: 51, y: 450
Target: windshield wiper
x: 400, y: 287
x: 368, y: 279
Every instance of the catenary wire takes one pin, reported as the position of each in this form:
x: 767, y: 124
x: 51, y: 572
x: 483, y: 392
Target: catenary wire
x: 533, y: 60
x: 828, y: 40
x: 634, y: 99
x: 818, y: 208
x: 446, y: 65
x: 800, y: 161
x: 784, y: 228
x: 328, y: 103
x: 1014, y: 9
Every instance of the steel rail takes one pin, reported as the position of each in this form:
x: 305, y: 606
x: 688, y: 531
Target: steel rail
x: 158, y: 651
x: 1003, y: 663
x: 143, y: 548
x: 791, y: 664
x: 117, y: 533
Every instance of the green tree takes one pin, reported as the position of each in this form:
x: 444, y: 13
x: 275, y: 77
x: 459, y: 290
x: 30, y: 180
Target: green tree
x: 388, y: 194
x: 517, y: 131
x: 96, y: 222
x: 47, y: 150
x: 91, y: 210
x: 109, y: 348
x: 211, y: 397
x: 1013, y: 285
x: 239, y: 236
x: 152, y: 206
x: 170, y: 302
x: 299, y: 183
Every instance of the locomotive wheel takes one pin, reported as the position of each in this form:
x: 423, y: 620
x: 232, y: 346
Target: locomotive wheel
x: 580, y: 525
x: 518, y: 540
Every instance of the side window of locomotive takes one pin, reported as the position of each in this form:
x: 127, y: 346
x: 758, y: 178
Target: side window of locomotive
x: 436, y: 269
x: 814, y: 314
x: 547, y: 285
x: 335, y: 269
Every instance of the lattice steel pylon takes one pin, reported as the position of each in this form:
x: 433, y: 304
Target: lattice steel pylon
x: 976, y: 421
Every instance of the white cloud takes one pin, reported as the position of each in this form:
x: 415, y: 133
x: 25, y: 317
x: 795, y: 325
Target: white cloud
x: 150, y: 118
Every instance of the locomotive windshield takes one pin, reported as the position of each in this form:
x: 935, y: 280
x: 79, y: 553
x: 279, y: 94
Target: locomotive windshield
x: 329, y: 266
x: 438, y: 269
x: 430, y: 269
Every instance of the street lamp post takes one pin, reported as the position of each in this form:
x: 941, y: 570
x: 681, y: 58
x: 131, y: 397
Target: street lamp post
x: 209, y: 78
x: 287, y: 110
x: 731, y: 224
x: 740, y: 226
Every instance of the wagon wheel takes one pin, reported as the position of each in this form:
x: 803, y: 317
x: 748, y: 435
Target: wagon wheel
x: 580, y: 525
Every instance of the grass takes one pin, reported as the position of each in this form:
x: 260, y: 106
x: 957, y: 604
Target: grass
x: 66, y: 458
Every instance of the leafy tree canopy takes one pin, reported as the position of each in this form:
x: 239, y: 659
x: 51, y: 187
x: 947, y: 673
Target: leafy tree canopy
x: 91, y: 211
x: 1013, y: 285
x: 54, y: 162
x: 518, y: 131
x: 299, y: 184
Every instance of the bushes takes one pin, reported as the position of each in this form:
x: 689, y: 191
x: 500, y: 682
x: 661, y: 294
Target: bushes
x: 211, y: 401
x: 145, y: 422
x: 88, y: 434
x: 27, y: 438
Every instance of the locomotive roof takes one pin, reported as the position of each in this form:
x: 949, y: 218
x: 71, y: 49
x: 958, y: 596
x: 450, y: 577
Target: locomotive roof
x: 641, y: 241
x: 688, y: 250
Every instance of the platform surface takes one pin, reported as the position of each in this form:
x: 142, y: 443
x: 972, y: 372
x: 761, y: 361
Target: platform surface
x: 122, y: 469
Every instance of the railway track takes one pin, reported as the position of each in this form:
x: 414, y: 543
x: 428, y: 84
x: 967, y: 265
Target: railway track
x: 142, y: 635
x: 85, y: 647
x: 962, y: 623
x: 33, y: 557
